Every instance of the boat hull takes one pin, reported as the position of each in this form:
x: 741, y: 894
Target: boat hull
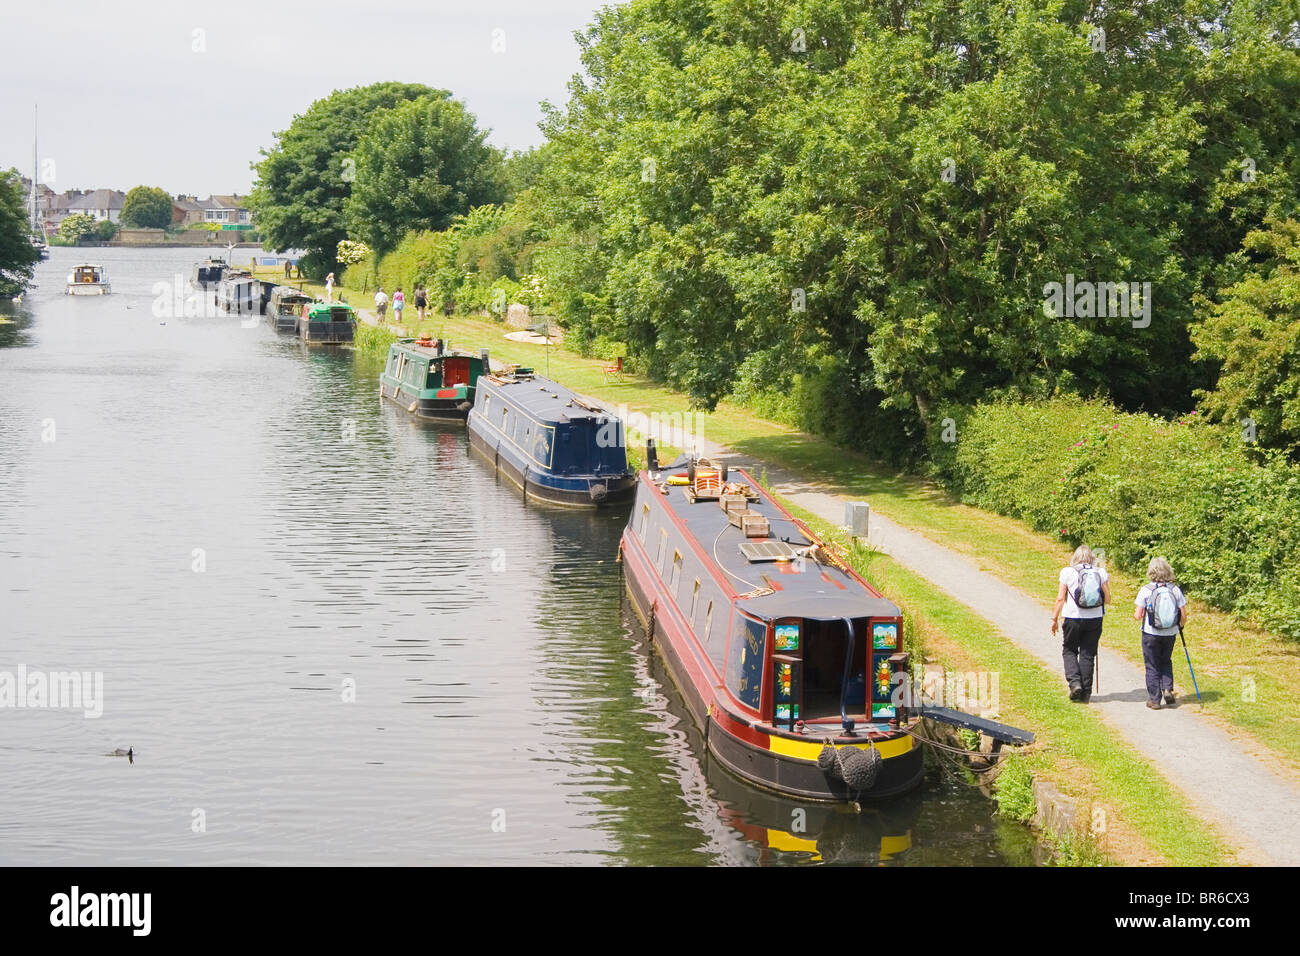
x: 434, y: 409
x: 783, y: 763
x: 88, y: 288
x: 326, y: 333
x: 569, y: 492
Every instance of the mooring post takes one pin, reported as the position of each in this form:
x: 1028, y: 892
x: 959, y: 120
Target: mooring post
x: 857, y: 515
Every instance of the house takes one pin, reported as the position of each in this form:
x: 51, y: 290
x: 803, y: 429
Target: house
x: 186, y: 211
x: 227, y: 210
x: 100, y: 203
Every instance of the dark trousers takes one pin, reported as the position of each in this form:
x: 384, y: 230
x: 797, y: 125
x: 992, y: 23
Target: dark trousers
x: 1080, y: 636
x: 1158, y: 656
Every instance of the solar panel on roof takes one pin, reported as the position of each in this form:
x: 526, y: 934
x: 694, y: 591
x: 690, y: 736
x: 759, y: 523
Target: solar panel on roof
x: 768, y: 551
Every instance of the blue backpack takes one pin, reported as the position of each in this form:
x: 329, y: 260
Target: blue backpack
x: 1087, y: 592
x: 1162, y: 607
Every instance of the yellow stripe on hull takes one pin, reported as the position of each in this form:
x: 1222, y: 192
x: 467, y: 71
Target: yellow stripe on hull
x: 808, y: 750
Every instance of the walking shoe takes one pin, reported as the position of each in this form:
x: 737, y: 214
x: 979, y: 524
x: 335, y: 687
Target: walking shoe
x: 1153, y: 704
x: 1170, y: 698
x: 1076, y: 690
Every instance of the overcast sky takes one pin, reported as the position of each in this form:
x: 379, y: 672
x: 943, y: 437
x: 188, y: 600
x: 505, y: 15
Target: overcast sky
x: 131, y: 94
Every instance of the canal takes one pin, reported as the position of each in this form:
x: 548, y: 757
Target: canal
x: 329, y: 635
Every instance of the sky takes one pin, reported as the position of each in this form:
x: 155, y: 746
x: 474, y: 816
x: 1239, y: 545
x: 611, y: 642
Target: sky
x: 184, y: 95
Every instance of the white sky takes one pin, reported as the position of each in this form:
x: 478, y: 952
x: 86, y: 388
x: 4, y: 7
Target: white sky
x: 125, y: 100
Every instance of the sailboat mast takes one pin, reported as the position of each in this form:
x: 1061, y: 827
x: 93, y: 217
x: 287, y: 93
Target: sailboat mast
x: 35, y: 216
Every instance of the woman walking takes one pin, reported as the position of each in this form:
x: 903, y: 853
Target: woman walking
x: 399, y: 303
x: 1162, y: 608
x: 421, y: 301
x: 1083, y: 594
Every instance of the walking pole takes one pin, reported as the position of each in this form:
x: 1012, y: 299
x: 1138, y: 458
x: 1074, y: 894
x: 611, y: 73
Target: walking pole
x: 1189, y: 665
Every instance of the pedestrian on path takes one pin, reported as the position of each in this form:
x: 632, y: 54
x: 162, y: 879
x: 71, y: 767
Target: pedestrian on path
x: 381, y: 303
x: 1161, y: 606
x: 329, y: 287
x: 399, y: 303
x: 1083, y: 594
x: 421, y: 301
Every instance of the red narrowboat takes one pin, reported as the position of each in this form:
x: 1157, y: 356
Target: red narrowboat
x: 791, y: 663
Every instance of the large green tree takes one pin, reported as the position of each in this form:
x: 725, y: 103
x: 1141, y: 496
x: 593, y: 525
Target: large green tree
x: 418, y: 166
x: 1252, y: 334
x: 757, y: 193
x: 147, y: 207
x: 304, y: 180
x: 17, y: 254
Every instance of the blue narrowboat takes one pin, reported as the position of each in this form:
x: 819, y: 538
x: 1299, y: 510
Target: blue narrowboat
x: 548, y: 441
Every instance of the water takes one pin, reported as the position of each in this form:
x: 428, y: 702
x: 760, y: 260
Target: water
x: 332, y: 636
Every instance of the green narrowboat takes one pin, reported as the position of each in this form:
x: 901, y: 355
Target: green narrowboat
x: 325, y: 323
x: 430, y: 380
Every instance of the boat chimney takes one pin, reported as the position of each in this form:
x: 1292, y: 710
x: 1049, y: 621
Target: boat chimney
x: 651, y: 456
x: 487, y: 362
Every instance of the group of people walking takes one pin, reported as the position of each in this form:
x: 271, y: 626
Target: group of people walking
x: 1082, y: 596
x: 399, y: 302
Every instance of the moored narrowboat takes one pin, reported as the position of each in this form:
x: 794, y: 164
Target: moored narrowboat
x: 208, y: 272
x: 325, y: 323
x: 238, y: 292
x: 791, y: 663
x: 553, y: 445
x: 431, y: 381
x: 87, y: 279
x: 285, y: 306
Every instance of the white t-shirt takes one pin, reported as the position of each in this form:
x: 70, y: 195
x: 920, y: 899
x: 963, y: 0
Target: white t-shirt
x: 380, y: 298
x: 1144, y: 596
x: 1070, y: 578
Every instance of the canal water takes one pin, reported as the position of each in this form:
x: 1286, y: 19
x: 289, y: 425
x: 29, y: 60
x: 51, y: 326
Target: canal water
x: 329, y: 635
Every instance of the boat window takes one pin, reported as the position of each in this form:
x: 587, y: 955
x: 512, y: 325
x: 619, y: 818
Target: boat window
x: 745, y: 660
x: 676, y: 572
x: 645, y: 517
x: 715, y: 644
x: 695, y: 598
x: 504, y: 412
x: 663, y: 546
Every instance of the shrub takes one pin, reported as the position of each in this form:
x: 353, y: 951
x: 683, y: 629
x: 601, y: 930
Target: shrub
x: 1139, y: 486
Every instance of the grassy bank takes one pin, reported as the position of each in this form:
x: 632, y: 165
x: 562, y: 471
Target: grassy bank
x: 1142, y: 818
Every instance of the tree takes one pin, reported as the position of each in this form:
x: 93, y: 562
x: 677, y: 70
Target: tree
x: 105, y: 230
x: 1252, y: 334
x: 77, y: 226
x: 305, y: 179
x: 419, y: 166
x: 18, y: 255
x: 859, y: 203
x: 147, y: 207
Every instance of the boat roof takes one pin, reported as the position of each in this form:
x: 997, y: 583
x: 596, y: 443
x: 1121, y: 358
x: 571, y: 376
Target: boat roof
x: 810, y: 589
x: 288, y: 291
x: 544, y: 399
x: 413, y: 345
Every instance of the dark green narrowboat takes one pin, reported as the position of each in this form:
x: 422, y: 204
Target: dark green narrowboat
x: 430, y: 380
x: 325, y: 323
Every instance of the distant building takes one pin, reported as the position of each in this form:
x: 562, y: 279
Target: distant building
x: 101, y: 203
x: 223, y: 210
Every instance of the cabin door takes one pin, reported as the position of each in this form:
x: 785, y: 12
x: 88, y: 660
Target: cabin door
x: 455, y: 370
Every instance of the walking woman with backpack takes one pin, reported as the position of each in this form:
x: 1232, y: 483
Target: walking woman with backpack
x: 1161, y: 606
x: 1083, y: 595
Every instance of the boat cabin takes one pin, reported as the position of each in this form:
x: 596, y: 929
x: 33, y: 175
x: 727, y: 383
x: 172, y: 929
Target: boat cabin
x: 285, y: 305
x: 324, y: 323
x: 87, y: 279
